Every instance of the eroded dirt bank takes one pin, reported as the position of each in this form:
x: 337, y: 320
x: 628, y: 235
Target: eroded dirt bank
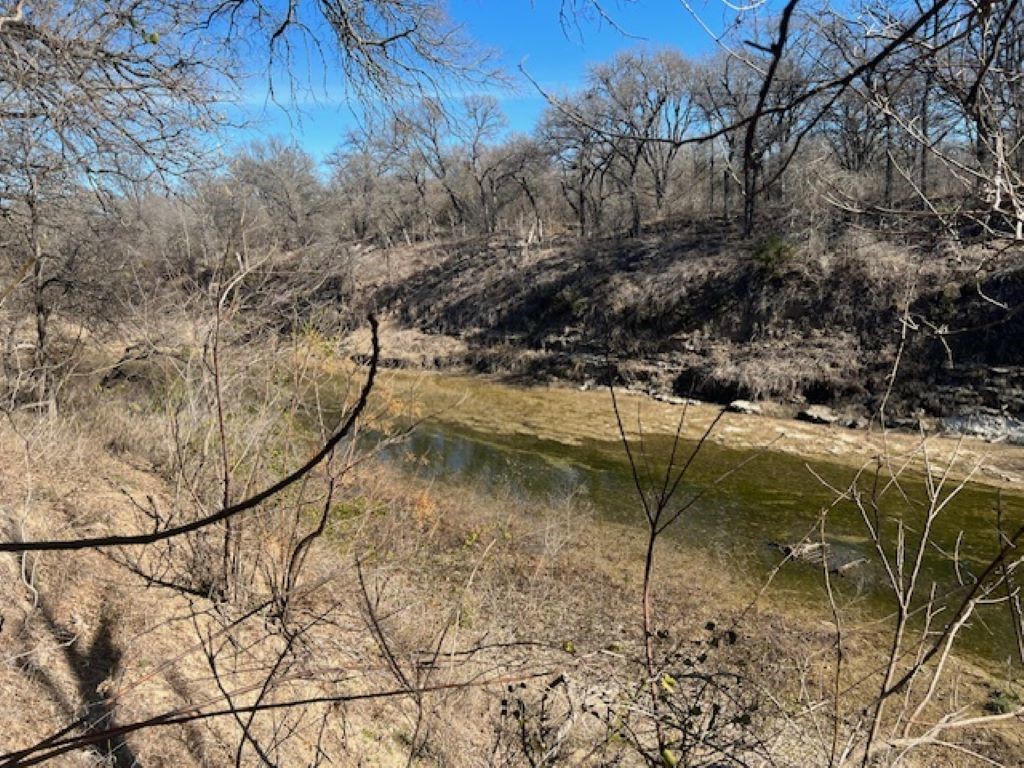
x: 692, y: 310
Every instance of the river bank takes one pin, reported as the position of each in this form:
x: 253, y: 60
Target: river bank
x: 501, y: 540
x: 693, y: 310
x: 562, y: 411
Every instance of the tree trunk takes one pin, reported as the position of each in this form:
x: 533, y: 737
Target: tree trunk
x: 725, y: 195
x: 749, y: 189
x: 635, y: 225
x: 41, y: 357
x: 887, y: 191
x: 711, y: 181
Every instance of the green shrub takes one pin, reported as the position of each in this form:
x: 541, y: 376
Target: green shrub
x: 773, y: 252
x: 1001, y: 702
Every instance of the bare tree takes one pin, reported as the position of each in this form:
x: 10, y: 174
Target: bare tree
x: 283, y: 181
x: 582, y: 156
x: 91, y: 94
x: 387, y: 51
x: 477, y: 132
x: 643, y: 105
x: 384, y: 185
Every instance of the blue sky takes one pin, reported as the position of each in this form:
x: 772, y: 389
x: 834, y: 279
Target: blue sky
x: 519, y: 32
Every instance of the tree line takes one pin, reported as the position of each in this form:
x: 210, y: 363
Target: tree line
x: 892, y: 115
x: 887, y: 116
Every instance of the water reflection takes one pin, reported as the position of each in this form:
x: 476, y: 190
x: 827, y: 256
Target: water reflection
x: 746, y: 520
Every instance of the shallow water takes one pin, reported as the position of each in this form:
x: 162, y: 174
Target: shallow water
x: 773, y: 498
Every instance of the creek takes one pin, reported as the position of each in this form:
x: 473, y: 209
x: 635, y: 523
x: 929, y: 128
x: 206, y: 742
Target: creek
x: 524, y: 441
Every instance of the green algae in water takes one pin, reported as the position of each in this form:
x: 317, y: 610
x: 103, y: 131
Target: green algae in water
x: 773, y: 499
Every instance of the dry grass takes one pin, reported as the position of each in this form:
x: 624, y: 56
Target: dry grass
x: 484, y: 573
x: 414, y: 585
x: 784, y: 368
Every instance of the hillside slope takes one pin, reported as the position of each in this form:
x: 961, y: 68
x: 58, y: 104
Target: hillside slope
x: 694, y: 309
